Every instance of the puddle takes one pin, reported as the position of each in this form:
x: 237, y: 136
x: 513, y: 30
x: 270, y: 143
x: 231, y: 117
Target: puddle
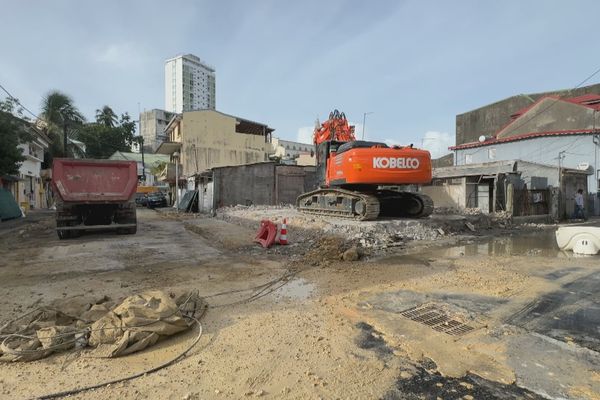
x: 297, y: 289
x: 541, y: 243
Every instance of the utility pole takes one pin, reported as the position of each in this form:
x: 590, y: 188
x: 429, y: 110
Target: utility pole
x: 176, y: 159
x: 141, y: 141
x: 561, y: 195
x: 364, y: 122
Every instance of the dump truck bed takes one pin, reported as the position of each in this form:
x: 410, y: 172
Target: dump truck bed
x: 94, y: 181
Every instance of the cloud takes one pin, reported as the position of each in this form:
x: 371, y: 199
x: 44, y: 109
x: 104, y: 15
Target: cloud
x: 123, y: 55
x: 437, y: 143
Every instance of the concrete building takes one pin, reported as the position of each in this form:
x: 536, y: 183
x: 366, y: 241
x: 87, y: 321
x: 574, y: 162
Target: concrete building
x: 518, y: 187
x: 559, y: 132
x: 29, y: 188
x: 205, y: 139
x: 152, y: 127
x: 294, y: 153
x: 489, y: 119
x: 189, y: 84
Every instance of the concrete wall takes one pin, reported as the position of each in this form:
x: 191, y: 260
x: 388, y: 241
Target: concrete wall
x: 262, y: 183
x: 152, y: 126
x: 542, y: 150
x: 491, y: 118
x: 447, y: 195
x: 210, y: 140
x: 244, y: 184
x: 551, y: 115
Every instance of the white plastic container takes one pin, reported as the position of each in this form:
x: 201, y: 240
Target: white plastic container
x: 579, y: 239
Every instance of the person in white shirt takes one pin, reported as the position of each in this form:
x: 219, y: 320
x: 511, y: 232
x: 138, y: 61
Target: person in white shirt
x: 579, y: 210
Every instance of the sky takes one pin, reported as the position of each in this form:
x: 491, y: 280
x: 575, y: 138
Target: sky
x: 413, y: 65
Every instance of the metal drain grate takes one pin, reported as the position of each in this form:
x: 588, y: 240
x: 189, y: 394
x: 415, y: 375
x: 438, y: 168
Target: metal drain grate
x: 432, y: 316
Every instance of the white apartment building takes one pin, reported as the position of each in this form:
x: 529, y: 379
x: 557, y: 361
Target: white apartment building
x: 189, y: 84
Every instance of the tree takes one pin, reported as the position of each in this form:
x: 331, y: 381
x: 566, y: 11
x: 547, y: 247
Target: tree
x: 106, y: 116
x: 101, y: 140
x: 60, y: 115
x: 13, y: 131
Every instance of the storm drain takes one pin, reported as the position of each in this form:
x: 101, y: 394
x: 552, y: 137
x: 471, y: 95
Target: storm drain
x: 437, y: 319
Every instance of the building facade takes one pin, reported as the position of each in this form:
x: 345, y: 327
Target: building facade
x: 204, y: 139
x: 294, y: 153
x: 189, y: 84
x: 152, y: 127
x: 489, y: 119
x: 562, y: 132
x: 29, y: 188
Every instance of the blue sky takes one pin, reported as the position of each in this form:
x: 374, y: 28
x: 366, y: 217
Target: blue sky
x: 414, y: 64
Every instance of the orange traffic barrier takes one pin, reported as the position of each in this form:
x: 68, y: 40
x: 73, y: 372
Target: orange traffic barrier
x: 283, y: 234
x: 266, y: 234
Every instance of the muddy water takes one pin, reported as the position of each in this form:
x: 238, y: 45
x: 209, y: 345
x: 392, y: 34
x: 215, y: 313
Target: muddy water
x: 542, y: 243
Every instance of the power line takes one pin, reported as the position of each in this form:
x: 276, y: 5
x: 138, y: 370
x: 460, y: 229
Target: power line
x: 13, y: 98
x: 556, y: 101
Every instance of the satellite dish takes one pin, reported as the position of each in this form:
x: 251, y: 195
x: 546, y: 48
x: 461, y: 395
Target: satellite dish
x: 481, y: 139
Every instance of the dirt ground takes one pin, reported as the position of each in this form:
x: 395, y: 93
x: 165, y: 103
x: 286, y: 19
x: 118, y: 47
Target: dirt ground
x: 333, y: 330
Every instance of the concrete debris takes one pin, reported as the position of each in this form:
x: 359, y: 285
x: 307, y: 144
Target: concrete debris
x: 378, y: 234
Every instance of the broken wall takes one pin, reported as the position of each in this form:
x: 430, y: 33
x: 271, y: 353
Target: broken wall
x: 450, y: 194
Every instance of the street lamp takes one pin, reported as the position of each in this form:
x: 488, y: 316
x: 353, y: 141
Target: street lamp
x: 364, y: 122
x: 176, y: 159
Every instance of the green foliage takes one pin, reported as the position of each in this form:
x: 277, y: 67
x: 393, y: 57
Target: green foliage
x: 106, y: 116
x: 101, y: 140
x: 13, y: 131
x: 59, y: 111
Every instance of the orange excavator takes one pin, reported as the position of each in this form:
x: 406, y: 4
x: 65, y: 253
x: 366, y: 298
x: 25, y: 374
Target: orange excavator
x: 353, y: 176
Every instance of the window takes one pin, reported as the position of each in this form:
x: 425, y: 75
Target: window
x: 491, y: 154
x: 468, y: 158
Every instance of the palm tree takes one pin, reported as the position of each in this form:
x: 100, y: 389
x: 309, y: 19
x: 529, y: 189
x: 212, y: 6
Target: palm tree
x: 60, y: 115
x: 106, y: 116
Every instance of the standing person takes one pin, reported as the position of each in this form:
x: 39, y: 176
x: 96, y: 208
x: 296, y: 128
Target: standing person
x: 579, y: 211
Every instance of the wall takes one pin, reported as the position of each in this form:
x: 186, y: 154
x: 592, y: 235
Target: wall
x: 210, y: 140
x: 244, y: 184
x: 447, y: 195
x: 543, y: 150
x: 263, y: 183
x: 152, y: 126
x: 491, y: 118
x: 552, y: 115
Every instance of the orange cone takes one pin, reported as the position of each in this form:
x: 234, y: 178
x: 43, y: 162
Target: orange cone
x: 283, y: 233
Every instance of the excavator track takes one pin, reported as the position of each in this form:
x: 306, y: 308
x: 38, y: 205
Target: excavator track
x: 404, y: 204
x: 339, y: 203
x: 365, y: 206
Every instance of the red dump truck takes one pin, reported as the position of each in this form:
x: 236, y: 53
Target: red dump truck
x: 94, y: 194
